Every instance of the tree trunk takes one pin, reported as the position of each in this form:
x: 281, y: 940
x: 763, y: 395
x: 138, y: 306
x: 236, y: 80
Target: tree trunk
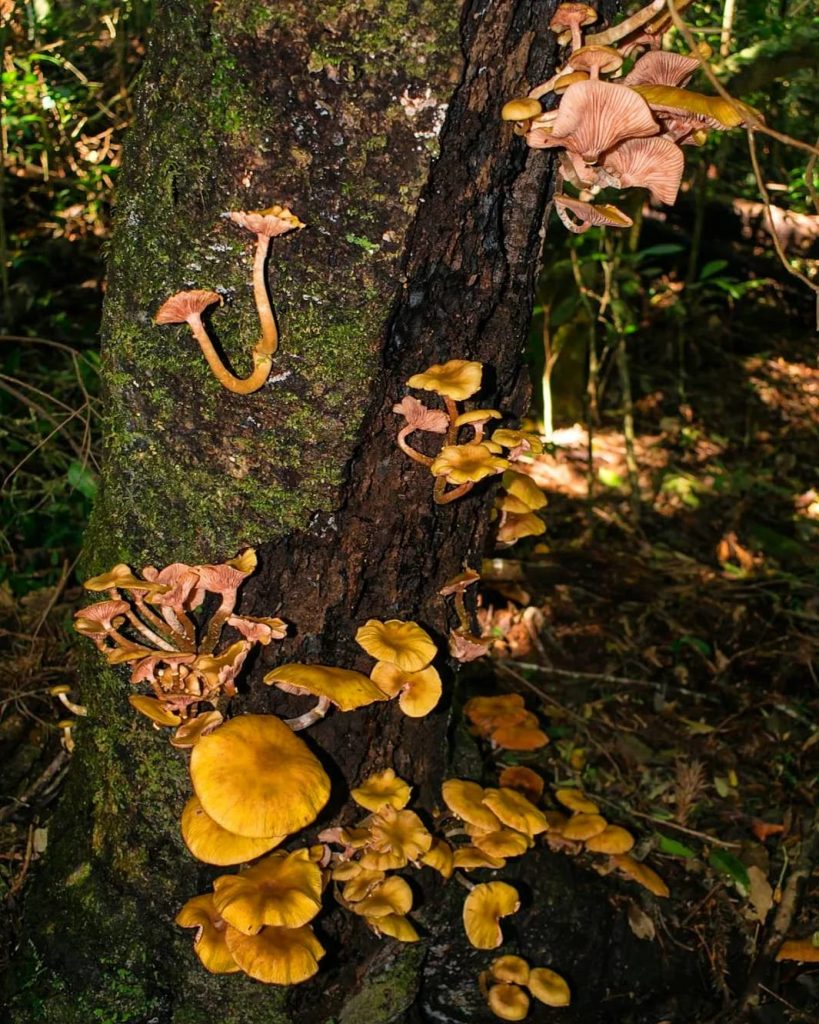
x: 422, y: 245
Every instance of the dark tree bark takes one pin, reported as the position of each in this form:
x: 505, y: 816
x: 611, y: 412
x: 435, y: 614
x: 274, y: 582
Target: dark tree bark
x: 422, y: 246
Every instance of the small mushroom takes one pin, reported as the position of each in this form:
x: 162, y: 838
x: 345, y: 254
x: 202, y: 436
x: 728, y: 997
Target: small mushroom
x: 641, y: 873
x: 418, y: 692
x: 660, y: 67
x: 395, y: 926
x: 463, y: 466
x: 484, y: 908
x: 61, y: 692
x: 277, y: 956
x: 656, y: 164
x: 613, y: 839
x: 341, y: 687
x: 213, y: 844
x: 576, y: 801
x: 209, y: 944
x: 282, y: 891
x: 395, y: 839
x: 470, y: 858
x: 589, y: 215
x: 457, y: 379
x: 521, y: 109
x: 391, y: 896
x: 465, y: 799
x: 66, y: 726
x: 508, y: 1002
x: 582, y: 827
x: 511, y: 969
x: 514, y: 810
x: 439, y: 857
x: 568, y: 20
x: 503, y: 843
x: 523, y: 780
x: 419, y: 417
x: 404, y: 644
x: 380, y: 789
x: 549, y: 987
x: 596, y: 60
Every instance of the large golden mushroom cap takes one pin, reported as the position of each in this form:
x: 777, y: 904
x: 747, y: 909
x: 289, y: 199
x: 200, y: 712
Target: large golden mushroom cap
x: 483, y: 909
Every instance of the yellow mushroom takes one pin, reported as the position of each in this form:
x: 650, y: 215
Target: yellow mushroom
x: 283, y: 890
x: 418, y: 692
x: 380, y: 789
x: 209, y: 944
x: 549, y: 987
x: 484, y: 907
x: 404, y: 644
x: 278, y: 956
x: 213, y: 844
x: 457, y: 379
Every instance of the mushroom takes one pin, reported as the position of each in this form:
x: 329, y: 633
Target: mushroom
x: 518, y: 442
x: 523, y: 780
x: 549, y: 987
x: 484, y: 907
x: 395, y: 839
x: 154, y: 709
x: 503, y: 843
x: 613, y: 839
x: 357, y: 882
x: 418, y: 692
x: 463, y: 466
x: 588, y: 215
x: 61, y: 692
x: 419, y: 417
x: 512, y: 969
x: 477, y: 419
x: 439, y: 857
x: 582, y: 827
x: 455, y: 380
x: 803, y: 950
x: 209, y: 944
x: 345, y: 689
x: 576, y: 801
x: 213, y: 844
x: 395, y: 926
x: 256, y: 778
x: 464, y: 646
x: 404, y: 644
x: 278, y: 956
x: 568, y: 20
x: 391, y: 896
x: 570, y: 78
x: 656, y: 164
x: 521, y: 110
x: 523, y: 487
x: 684, y: 112
x: 518, y: 737
x: 283, y: 891
x: 596, y: 60
x: 514, y: 810
x: 465, y: 799
x: 470, y: 858
x: 380, y: 789
x: 66, y: 725
x: 508, y: 1002
x: 660, y: 67
x: 641, y: 873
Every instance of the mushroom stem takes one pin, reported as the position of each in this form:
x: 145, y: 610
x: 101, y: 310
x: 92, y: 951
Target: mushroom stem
x: 238, y: 385
x: 269, y: 340
x: 67, y: 739
x: 464, y: 881
x: 452, y: 412
x: 425, y: 460
x: 461, y: 612
x: 611, y: 35
x: 182, y: 636
x: 309, y: 717
x: 149, y: 634
x: 65, y: 700
x: 180, y: 624
x: 577, y: 36
x: 443, y: 497
x: 577, y: 229
x: 218, y: 620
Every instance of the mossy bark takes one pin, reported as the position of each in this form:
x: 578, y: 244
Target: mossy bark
x: 377, y: 122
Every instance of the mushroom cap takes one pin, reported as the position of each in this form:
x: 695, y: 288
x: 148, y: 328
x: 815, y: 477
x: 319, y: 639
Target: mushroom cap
x: 420, y: 417
x: 392, y: 896
x: 661, y: 67
x: 272, y: 222
x: 403, y: 644
x: 121, y: 576
x: 467, y: 463
x: 549, y: 987
x: 514, y: 810
x: 513, y: 969
x: 469, y: 858
x: 283, y: 890
x: 656, y: 164
x: 360, y: 884
x: 571, y: 14
x: 395, y: 926
x: 213, y: 844
x: 594, y: 115
x: 480, y: 710
x: 185, y: 306
x: 419, y: 692
x: 603, y: 58
x: 570, y: 78
x: 521, y: 108
x: 641, y: 873
x: 484, y: 907
x: 803, y: 950
x: 508, y: 1002
x: 259, y: 630
x: 395, y: 837
x: 190, y: 732
x: 154, y: 709
x: 278, y: 956
x: 524, y: 488
x: 382, y: 788
x: 712, y: 111
x: 613, y: 839
x: 507, y: 438
x: 477, y: 416
x: 466, y: 647
x: 523, y: 780
x: 465, y: 799
x: 254, y: 777
x: 346, y: 689
x: 458, y: 379
x: 519, y: 737
x: 460, y: 584
x: 439, y: 857
x: 209, y: 945
x: 591, y: 214
x: 503, y: 843
x: 576, y: 801
x: 584, y: 826
x: 100, y: 617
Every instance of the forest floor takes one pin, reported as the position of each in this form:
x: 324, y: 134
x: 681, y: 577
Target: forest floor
x: 672, y: 660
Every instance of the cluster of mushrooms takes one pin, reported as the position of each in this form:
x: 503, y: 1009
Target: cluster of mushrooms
x: 618, y: 132
x: 461, y: 463
x: 509, y: 982
x: 190, y: 306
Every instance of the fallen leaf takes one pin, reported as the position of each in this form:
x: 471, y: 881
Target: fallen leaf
x: 765, y: 829
x: 640, y: 923
x: 760, y: 893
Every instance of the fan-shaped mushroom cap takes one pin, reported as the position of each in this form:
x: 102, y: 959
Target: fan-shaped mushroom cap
x: 395, y: 837
x: 512, y: 969
x: 576, y: 801
x: 403, y: 644
x: 465, y: 799
x: 213, y: 844
x: 514, y: 810
x: 460, y: 584
x: 185, y: 306
x: 278, y: 956
x: 382, y: 788
x: 522, y: 780
x: 259, y: 630
x: 523, y: 439
x: 710, y: 111
x: 274, y: 221
x: 462, y: 463
x: 395, y: 926
x: 548, y: 987
x: 504, y: 843
x: 641, y: 873
x: 596, y: 59
x: 613, y: 839
x: 584, y: 826
x: 477, y: 416
x: 480, y: 710
x: 590, y: 215
x: 419, y: 691
x: 100, y: 617
x: 521, y: 108
x: 457, y: 379
x: 656, y: 164
x: 802, y: 950
x: 439, y: 857
x: 661, y: 67
x: 470, y: 858
x: 594, y: 116
x: 209, y: 945
x: 571, y: 16
x: 190, y: 732
x: 523, y: 487
x: 121, y: 576
x: 392, y: 896
x: 483, y: 909
x: 283, y: 890
x: 154, y: 709
x: 420, y: 417
x: 346, y: 689
x: 570, y: 78
x: 254, y: 777
x: 508, y: 1002
x: 358, y: 881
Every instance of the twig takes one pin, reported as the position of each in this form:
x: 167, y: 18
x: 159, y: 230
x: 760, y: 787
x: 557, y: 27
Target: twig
x: 596, y: 677
x: 57, y: 764
x: 672, y: 824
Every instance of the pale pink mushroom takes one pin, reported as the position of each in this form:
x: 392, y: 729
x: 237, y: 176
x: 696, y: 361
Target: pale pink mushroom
x: 419, y: 417
x: 588, y: 215
x: 656, y: 164
x: 659, y: 67
x: 568, y: 20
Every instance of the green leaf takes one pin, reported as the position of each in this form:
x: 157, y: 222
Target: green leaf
x: 727, y: 864
x: 82, y: 479
x: 672, y: 847
x: 666, y: 249
x: 609, y: 478
x: 714, y: 267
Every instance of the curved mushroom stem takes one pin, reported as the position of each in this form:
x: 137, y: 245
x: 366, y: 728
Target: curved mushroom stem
x: 452, y: 412
x: 577, y: 36
x: 425, y: 460
x: 138, y: 624
x: 443, y: 497
x: 611, y: 35
x: 464, y: 881
x: 166, y: 629
x: 63, y: 698
x: 238, y: 385
x: 309, y: 717
x: 217, y: 622
x: 269, y: 340
x: 578, y: 229
x: 544, y: 87
x: 461, y: 612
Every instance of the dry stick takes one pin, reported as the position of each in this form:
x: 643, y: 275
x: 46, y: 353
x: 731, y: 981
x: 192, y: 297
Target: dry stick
x: 592, y: 677
x: 673, y: 824
x: 785, y: 913
x: 42, y: 780
x: 594, y: 369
